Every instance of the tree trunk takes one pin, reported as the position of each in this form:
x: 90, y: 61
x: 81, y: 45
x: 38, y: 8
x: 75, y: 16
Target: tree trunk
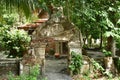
x: 80, y: 39
x: 113, y: 48
x: 111, y: 45
x: 84, y: 40
x: 90, y: 42
x: 101, y: 39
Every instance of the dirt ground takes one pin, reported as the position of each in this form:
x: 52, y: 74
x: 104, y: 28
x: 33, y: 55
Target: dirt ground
x: 56, y: 69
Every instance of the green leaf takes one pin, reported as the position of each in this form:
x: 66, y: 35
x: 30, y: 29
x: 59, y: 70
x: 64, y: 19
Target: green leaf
x: 108, y: 34
x: 109, y: 23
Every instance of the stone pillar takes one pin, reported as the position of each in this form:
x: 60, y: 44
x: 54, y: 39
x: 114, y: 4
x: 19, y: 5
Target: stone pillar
x: 61, y: 48
x: 57, y: 50
x: 109, y: 65
x: 27, y: 61
x: 35, y: 56
x: 40, y: 56
x: 76, y: 47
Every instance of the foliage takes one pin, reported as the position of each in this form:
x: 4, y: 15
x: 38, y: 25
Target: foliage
x: 107, y: 53
x: 92, y: 17
x: 13, y: 40
x: 117, y: 37
x: 76, y: 62
x: 117, y: 63
x: 109, y: 75
x: 8, y: 19
x: 34, y: 72
x: 86, y: 77
x: 97, y: 66
x: 20, y: 6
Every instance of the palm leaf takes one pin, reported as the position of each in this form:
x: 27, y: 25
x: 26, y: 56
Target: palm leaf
x: 27, y: 6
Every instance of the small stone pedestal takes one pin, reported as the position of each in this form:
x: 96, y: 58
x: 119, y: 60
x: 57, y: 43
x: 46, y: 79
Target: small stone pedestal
x: 109, y: 65
x: 35, y: 56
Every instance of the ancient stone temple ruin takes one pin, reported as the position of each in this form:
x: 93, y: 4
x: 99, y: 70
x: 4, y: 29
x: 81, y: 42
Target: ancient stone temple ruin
x: 57, y: 36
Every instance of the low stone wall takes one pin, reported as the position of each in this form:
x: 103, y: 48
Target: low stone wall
x: 9, y: 65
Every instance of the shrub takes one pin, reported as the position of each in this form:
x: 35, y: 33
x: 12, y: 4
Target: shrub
x: 15, y: 41
x: 76, y: 62
x: 107, y: 53
x: 34, y: 72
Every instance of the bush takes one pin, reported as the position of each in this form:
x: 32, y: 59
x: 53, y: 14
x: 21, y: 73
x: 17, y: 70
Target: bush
x: 15, y: 41
x: 34, y: 72
x: 107, y: 53
x: 76, y: 63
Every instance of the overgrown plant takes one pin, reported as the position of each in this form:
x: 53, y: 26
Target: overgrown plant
x: 34, y: 72
x: 86, y: 77
x: 99, y: 69
x: 14, y: 41
x: 117, y: 63
x: 76, y: 62
x: 97, y: 66
x: 107, y: 53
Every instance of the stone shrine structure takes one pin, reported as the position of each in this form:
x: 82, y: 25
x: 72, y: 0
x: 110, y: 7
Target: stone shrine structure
x: 53, y: 35
x: 60, y: 30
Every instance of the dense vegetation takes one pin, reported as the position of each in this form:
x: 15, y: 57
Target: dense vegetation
x: 96, y: 19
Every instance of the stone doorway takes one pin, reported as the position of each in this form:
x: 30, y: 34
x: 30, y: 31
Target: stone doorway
x: 56, y: 68
x: 57, y: 47
x: 61, y: 47
x: 66, y: 38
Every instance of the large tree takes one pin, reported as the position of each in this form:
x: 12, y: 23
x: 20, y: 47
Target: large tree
x: 92, y: 17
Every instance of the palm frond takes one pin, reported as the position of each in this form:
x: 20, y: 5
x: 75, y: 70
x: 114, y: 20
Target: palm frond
x: 27, y: 6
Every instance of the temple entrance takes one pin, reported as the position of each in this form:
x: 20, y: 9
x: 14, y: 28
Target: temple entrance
x: 61, y: 47
x: 60, y: 37
x: 57, y: 47
x: 56, y: 66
